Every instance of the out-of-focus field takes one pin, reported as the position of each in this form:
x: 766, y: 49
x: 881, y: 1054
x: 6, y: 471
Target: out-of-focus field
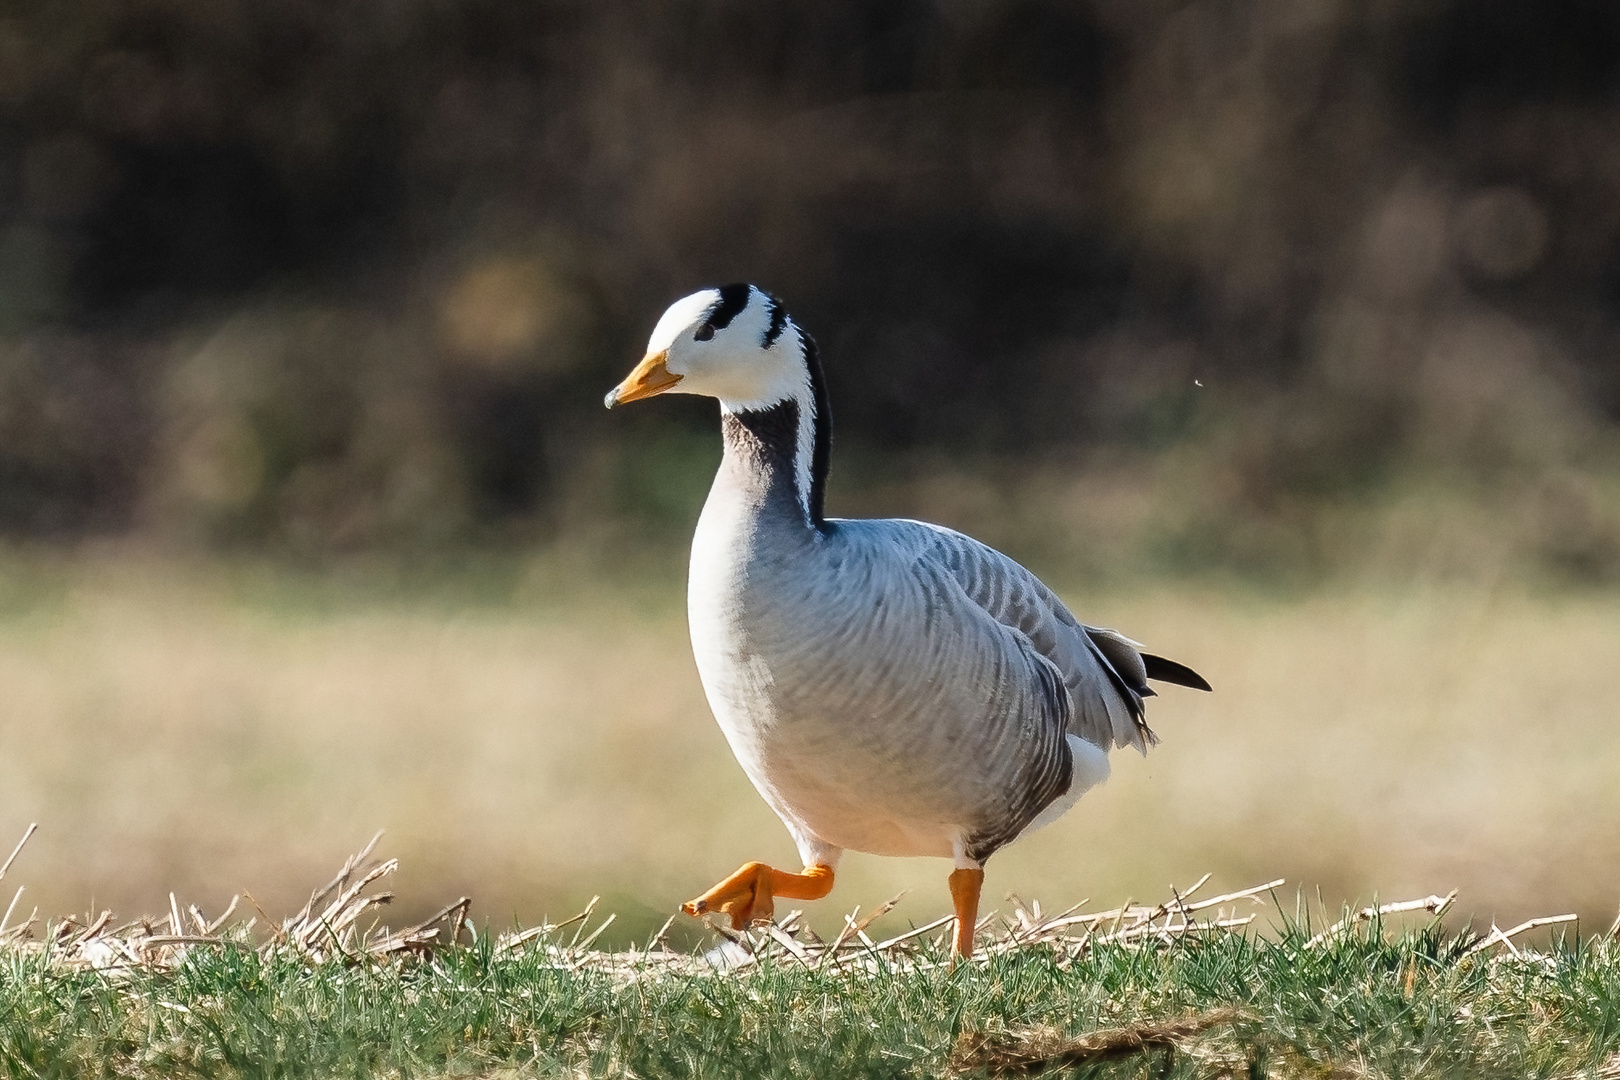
x: 542, y: 738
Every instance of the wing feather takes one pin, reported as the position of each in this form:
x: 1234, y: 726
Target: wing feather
x: 1102, y: 670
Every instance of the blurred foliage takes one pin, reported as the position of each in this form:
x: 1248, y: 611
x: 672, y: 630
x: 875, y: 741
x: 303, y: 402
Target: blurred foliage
x: 334, y: 277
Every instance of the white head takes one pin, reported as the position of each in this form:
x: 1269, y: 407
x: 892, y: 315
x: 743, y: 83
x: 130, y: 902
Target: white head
x: 734, y: 343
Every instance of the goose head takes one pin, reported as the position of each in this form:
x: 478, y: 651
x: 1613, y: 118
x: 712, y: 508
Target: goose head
x: 737, y: 343
x: 734, y: 343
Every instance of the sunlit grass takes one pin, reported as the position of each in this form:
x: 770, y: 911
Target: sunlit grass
x: 1366, y: 1004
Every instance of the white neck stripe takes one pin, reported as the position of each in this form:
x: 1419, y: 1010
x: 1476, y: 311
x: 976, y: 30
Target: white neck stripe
x: 802, y: 395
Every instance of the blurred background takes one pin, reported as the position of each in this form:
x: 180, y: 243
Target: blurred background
x: 1281, y: 335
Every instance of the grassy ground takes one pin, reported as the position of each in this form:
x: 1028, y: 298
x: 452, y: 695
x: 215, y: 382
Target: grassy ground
x: 1414, y: 1004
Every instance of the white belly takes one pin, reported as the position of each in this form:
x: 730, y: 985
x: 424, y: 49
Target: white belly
x: 802, y: 730
x: 823, y: 786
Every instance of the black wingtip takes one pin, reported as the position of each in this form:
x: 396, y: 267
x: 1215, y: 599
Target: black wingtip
x: 1161, y: 670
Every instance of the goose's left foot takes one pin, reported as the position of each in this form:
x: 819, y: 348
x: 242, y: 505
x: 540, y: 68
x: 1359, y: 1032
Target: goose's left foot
x: 748, y: 895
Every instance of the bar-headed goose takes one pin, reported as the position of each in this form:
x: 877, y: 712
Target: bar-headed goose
x: 889, y: 686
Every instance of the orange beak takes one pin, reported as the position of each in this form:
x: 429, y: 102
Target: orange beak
x: 651, y: 376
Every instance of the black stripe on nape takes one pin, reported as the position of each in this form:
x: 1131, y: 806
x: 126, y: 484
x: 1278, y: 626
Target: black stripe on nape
x: 733, y: 298
x: 778, y: 321
x: 821, y: 459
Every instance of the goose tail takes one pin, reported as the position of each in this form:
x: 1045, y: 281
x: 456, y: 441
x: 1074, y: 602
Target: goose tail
x: 1161, y: 670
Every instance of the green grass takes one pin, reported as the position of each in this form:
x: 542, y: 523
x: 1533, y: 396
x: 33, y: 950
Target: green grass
x: 1366, y: 1004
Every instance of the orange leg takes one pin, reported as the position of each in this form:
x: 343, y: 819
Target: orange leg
x: 747, y: 895
x: 965, y: 886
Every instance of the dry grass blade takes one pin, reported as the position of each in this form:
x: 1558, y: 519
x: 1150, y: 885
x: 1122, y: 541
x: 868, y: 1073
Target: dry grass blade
x: 1505, y: 937
x: 853, y: 929
x: 275, y: 931
x: 657, y: 939
x: 424, y: 935
x: 782, y: 938
x: 899, y: 939
x: 6, y: 918
x: 584, y: 917
x: 848, y: 931
x: 1036, y: 1050
x: 349, y: 867
x: 1434, y: 905
x: 1187, y: 894
x: 23, y: 930
x: 94, y: 929
x: 346, y: 908
x: 1242, y: 894
x: 157, y: 941
x: 589, y: 941
x: 513, y: 942
x: 213, y: 927
x: 33, y: 827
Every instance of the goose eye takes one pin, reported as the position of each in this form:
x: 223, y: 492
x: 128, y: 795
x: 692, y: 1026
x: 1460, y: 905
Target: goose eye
x: 703, y: 333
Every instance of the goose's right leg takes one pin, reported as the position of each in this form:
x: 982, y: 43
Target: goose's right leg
x: 966, y: 884
x: 967, y: 881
